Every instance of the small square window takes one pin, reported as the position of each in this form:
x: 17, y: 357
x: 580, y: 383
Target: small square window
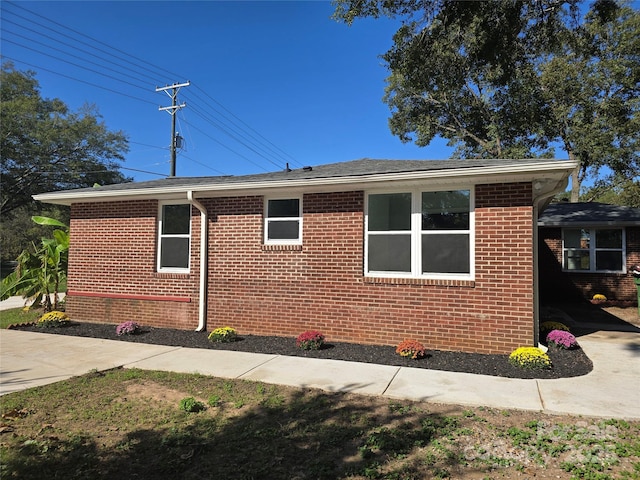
x: 283, y: 221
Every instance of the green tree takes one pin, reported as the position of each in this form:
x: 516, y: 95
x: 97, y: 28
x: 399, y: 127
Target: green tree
x: 41, y: 273
x: 45, y: 147
x: 18, y: 231
x: 618, y: 191
x: 515, y: 78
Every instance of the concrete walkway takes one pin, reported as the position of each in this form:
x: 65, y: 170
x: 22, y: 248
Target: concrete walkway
x: 19, y: 302
x: 611, y: 390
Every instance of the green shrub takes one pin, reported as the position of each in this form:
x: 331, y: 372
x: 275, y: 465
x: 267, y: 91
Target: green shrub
x: 529, y: 357
x: 190, y: 405
x: 546, y: 327
x: 223, y: 335
x: 53, y: 319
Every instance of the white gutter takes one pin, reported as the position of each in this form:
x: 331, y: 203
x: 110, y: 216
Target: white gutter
x: 537, y: 203
x: 512, y: 172
x: 202, y: 304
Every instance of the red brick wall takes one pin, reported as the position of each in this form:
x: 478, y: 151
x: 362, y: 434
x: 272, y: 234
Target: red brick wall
x: 112, y: 268
x: 557, y: 285
x: 320, y: 285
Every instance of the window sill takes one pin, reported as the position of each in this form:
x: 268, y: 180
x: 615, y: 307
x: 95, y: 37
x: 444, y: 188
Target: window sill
x: 281, y: 248
x: 597, y: 272
x: 177, y: 275
x: 441, y: 282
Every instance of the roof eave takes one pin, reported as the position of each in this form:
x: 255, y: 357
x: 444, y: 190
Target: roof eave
x: 490, y: 174
x: 590, y: 224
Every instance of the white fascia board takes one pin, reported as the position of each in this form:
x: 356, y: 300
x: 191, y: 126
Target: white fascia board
x: 590, y: 224
x: 476, y: 175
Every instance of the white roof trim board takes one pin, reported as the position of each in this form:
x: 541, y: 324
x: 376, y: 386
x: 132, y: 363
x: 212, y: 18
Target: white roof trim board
x: 357, y: 174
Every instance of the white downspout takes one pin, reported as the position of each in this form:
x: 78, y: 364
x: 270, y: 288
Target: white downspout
x: 202, y: 307
x: 537, y: 203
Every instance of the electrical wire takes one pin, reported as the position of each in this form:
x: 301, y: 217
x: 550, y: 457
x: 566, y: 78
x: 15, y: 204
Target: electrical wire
x: 243, y: 134
x: 77, y: 79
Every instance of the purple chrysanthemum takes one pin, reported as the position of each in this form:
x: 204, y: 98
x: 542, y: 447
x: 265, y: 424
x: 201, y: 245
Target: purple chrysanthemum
x: 127, y: 328
x: 561, y: 339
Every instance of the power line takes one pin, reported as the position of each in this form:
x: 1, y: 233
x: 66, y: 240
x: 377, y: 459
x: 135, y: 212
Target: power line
x: 78, y: 80
x: 202, y: 164
x: 245, y: 124
x: 75, y: 64
x: 143, y: 171
x: 64, y: 51
x: 226, y: 147
x: 231, y: 134
x: 238, y: 130
x: 65, y: 27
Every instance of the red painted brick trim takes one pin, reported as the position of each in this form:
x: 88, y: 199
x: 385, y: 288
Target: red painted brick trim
x: 126, y: 296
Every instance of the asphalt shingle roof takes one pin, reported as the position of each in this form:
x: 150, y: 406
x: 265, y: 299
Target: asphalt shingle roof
x: 352, y: 168
x: 588, y: 214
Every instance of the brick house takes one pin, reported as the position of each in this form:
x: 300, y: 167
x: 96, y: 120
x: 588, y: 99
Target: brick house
x: 586, y: 249
x: 367, y: 251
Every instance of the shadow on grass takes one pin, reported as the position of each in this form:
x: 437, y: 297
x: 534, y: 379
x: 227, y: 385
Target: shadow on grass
x: 308, y: 435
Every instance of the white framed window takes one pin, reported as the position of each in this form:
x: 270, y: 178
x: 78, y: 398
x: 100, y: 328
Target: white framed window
x: 283, y: 221
x: 423, y: 234
x: 593, y: 249
x: 174, y: 237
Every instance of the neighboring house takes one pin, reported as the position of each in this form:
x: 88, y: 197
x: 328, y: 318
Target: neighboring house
x: 367, y: 251
x: 587, y: 249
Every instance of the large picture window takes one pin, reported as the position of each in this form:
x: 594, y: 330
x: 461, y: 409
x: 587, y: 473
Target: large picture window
x: 174, y: 243
x: 283, y: 221
x: 420, y: 234
x: 593, y: 250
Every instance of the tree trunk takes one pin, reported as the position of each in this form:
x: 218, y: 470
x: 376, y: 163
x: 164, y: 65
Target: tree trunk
x: 575, y: 181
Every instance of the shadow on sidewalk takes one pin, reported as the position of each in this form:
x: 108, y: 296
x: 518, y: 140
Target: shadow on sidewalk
x: 586, y: 318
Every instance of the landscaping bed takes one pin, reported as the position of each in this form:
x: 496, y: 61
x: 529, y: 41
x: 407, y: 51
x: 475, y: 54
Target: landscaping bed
x: 566, y: 363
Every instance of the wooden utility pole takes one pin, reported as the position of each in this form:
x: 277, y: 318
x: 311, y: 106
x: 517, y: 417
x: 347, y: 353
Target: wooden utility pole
x: 172, y: 111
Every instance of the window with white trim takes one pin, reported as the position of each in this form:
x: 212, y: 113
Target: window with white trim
x: 283, y: 221
x: 174, y: 237
x: 420, y: 234
x: 593, y: 249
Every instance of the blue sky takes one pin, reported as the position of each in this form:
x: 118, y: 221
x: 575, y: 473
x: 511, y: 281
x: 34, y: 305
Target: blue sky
x: 271, y: 82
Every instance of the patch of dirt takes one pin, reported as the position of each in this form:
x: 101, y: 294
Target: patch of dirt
x: 148, y: 390
x: 627, y: 314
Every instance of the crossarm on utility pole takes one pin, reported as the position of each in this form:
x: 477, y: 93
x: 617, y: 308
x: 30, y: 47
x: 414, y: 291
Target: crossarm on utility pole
x: 172, y: 111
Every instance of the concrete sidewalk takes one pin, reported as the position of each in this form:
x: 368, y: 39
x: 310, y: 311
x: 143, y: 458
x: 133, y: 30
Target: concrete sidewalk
x: 19, y: 302
x: 611, y: 390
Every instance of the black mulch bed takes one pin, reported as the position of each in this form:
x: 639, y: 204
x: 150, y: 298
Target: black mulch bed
x: 566, y: 363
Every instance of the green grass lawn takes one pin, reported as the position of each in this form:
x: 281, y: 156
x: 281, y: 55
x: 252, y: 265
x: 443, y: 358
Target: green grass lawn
x: 18, y: 315
x: 128, y: 423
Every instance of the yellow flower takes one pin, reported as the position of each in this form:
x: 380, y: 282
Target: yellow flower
x: 529, y: 357
x: 53, y: 319
x: 223, y: 334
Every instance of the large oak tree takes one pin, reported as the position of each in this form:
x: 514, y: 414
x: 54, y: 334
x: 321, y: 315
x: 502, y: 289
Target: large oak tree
x: 516, y: 78
x: 46, y: 147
